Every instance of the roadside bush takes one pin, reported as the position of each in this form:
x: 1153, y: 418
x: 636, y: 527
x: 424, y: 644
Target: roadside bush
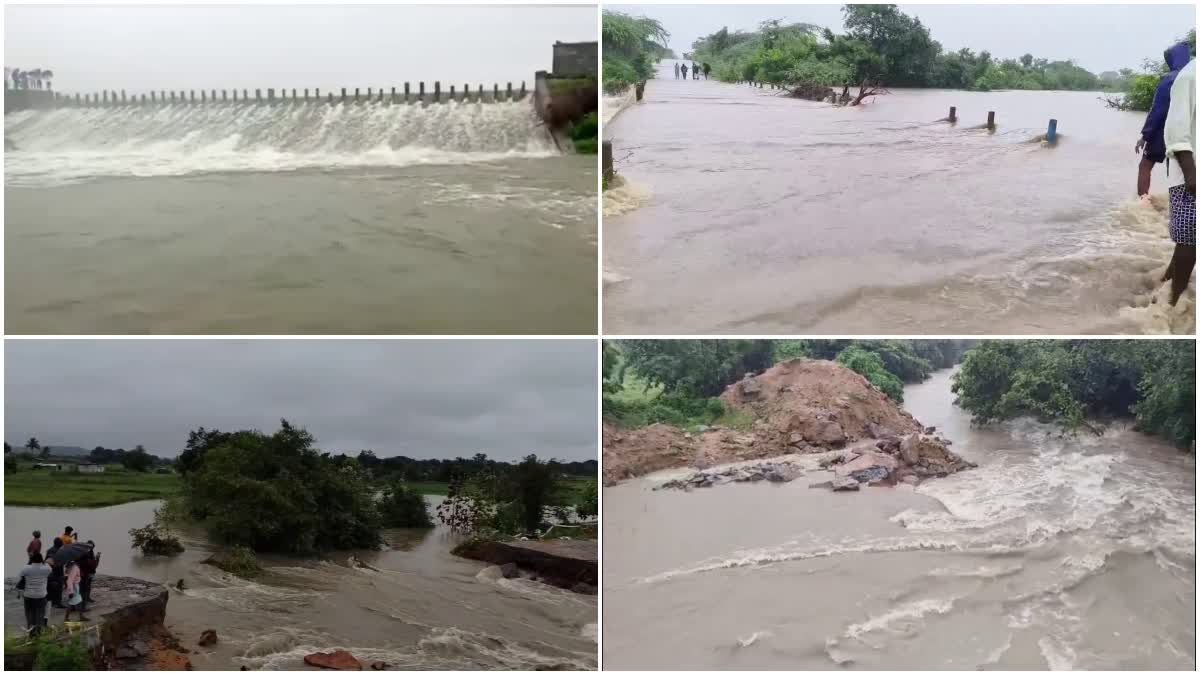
x: 155, y: 540
x: 238, y: 561
x: 62, y: 655
x: 401, y: 507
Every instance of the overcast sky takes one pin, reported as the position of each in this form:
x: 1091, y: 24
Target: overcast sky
x: 1098, y: 37
x: 421, y: 398
x: 140, y: 48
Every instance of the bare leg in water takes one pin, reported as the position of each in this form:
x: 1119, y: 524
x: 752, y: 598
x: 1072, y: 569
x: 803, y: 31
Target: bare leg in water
x: 1179, y: 271
x: 1145, y: 168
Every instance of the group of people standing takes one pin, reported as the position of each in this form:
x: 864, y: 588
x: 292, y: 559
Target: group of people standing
x: 682, y: 68
x: 1170, y: 131
x: 67, y: 566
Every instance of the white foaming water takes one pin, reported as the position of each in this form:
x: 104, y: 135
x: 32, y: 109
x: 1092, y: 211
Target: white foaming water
x: 913, y: 611
x: 73, y: 144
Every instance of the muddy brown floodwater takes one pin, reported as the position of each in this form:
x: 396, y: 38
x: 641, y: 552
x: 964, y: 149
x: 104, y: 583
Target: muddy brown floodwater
x: 746, y: 212
x: 419, y: 609
x: 1057, y: 552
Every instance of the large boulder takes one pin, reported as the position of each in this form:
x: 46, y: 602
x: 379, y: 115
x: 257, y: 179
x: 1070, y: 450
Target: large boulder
x: 910, y: 449
x: 208, y: 638
x: 339, y: 659
x: 869, y: 467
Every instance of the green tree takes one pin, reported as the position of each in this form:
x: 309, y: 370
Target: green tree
x: 401, y: 507
x: 32, y: 444
x: 137, y: 460
x: 869, y: 365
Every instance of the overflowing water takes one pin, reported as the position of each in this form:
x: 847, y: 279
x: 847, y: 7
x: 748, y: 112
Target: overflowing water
x: 768, y: 214
x: 300, y: 217
x: 1058, y: 551
x: 415, y: 606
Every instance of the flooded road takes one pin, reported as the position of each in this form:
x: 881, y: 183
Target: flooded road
x: 764, y: 214
x: 302, y: 218
x: 1057, y: 552
x: 421, y: 609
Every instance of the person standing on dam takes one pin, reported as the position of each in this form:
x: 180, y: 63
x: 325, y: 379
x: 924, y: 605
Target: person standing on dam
x: 1151, y: 144
x: 1180, y: 137
x: 677, y: 70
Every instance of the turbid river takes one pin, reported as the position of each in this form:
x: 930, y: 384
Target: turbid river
x: 1057, y: 552
x: 297, y: 218
x: 748, y: 212
x: 423, y: 609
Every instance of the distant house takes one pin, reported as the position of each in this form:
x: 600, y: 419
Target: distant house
x: 88, y: 467
x: 47, y: 466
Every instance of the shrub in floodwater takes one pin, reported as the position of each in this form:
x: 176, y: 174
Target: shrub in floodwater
x: 155, y: 540
x: 62, y: 655
x: 402, y: 507
x: 238, y: 561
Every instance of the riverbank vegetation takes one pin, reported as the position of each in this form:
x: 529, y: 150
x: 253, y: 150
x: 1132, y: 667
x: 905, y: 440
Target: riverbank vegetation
x: 676, y: 382
x: 1140, y: 87
x: 1074, y: 382
x: 883, y: 47
x: 53, y: 649
x: 632, y: 45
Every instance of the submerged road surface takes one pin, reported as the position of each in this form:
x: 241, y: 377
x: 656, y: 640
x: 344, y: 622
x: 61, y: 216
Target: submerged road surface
x: 766, y: 214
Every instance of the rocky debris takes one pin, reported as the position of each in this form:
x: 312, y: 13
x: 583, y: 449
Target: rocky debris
x: 378, y: 665
x: 338, y: 659
x: 179, y: 585
x: 799, y: 406
x: 773, y: 472
x: 208, y: 638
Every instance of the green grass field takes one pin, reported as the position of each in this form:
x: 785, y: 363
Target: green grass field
x: 116, y: 485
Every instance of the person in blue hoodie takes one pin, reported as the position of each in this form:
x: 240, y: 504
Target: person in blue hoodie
x: 1151, y: 144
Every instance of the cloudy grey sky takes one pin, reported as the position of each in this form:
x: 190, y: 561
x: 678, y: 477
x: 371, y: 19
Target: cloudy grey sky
x: 421, y: 398
x: 1098, y: 37
x: 283, y: 46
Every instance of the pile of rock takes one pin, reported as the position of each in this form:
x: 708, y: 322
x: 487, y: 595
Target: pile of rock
x: 772, y: 472
x: 890, y: 460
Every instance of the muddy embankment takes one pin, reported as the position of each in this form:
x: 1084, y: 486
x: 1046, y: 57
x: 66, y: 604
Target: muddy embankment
x: 126, y: 630
x: 800, y: 408
x: 569, y: 564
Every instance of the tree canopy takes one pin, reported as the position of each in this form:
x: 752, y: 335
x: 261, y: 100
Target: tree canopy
x: 632, y: 45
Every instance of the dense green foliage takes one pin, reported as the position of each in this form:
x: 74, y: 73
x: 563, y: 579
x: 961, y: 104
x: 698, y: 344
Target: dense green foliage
x: 277, y: 493
x: 1071, y: 381
x: 400, y: 506
x: 675, y: 381
x: 585, y: 133
x: 884, y: 47
x: 513, y: 502
x: 154, y: 539
x: 238, y: 561
x: 69, y: 654
x: 870, y: 365
x: 632, y: 45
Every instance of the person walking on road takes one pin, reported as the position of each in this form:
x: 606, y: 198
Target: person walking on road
x: 1180, y: 136
x: 683, y: 69
x: 1151, y: 144
x: 695, y: 71
x: 707, y: 70
x: 677, y: 70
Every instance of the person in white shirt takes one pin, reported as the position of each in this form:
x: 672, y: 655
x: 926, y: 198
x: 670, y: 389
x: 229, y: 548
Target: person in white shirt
x: 1180, y: 136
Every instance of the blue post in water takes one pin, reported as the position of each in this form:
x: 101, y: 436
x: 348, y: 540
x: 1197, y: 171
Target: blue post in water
x: 1052, y: 131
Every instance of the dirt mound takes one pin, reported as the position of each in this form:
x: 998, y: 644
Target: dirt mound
x: 815, y: 406
x: 799, y: 406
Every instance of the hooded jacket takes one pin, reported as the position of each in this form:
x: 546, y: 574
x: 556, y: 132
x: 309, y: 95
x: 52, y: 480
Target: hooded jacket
x: 1152, y: 131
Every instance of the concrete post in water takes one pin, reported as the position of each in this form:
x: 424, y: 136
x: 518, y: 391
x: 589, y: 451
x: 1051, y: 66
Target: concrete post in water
x: 153, y: 98
x: 172, y: 98
x: 953, y: 115
x: 192, y: 96
x: 235, y: 98
x: 381, y: 94
x: 317, y: 93
x: 368, y: 93
x: 522, y: 90
x: 143, y: 101
x: 606, y: 160
x: 466, y: 93
x: 331, y: 98
x: 495, y: 93
x: 343, y: 94
x: 479, y: 99
x: 451, y: 92
x: 306, y: 95
x: 270, y: 95
x: 508, y: 92
x: 105, y: 96
x: 393, y: 99
x: 356, y: 94
x: 203, y: 96
x: 123, y: 99
x: 421, y: 95
x: 406, y: 92
x: 245, y: 94
x: 294, y: 95
x: 1052, y: 131
x: 437, y: 92
x: 991, y: 124
x: 258, y: 95
x: 213, y: 98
